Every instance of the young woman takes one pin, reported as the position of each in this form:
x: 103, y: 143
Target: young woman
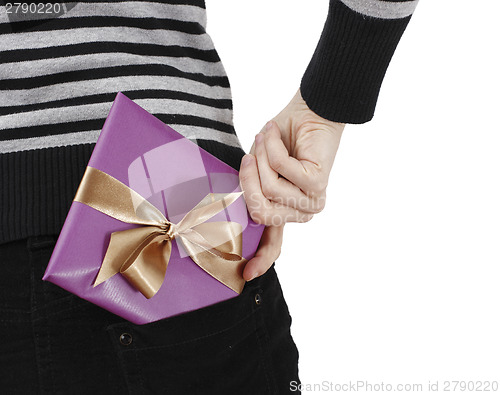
x: 60, y: 68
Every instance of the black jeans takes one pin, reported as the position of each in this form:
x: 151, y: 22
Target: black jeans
x: 52, y: 342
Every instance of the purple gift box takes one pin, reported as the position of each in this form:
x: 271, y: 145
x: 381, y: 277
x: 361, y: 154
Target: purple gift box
x: 173, y: 174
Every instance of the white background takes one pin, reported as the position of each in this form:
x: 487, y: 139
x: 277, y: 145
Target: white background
x: 397, y: 280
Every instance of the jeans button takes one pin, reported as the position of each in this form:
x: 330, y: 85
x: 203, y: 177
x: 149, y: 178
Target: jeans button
x: 126, y: 339
x: 258, y: 299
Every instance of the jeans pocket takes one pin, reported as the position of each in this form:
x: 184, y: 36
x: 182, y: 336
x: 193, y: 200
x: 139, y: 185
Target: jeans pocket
x: 220, y: 349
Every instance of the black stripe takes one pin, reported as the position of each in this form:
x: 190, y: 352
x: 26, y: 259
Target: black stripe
x: 51, y: 129
x: 56, y: 24
x: 156, y: 69
x: 190, y: 120
x: 175, y: 51
x: 109, y: 97
x: 96, y: 124
x: 226, y: 153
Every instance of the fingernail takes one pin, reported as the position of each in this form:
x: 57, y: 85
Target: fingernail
x: 269, y: 125
x: 247, y: 159
x: 253, y: 276
x: 258, y: 138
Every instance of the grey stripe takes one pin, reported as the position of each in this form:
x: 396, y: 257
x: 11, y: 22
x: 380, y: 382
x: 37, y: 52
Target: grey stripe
x: 139, y: 9
x: 29, y: 40
x: 3, y: 16
x: 60, y: 140
x: 35, y: 68
x: 133, y: 9
x: 101, y: 110
x: 382, y: 9
x: 110, y: 85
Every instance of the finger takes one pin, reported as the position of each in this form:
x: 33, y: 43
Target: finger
x: 268, y: 251
x: 279, y: 189
x: 261, y: 209
x: 304, y: 174
x: 252, y: 149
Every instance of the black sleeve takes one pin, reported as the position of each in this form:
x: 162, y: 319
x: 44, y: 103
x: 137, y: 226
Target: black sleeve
x: 343, y: 79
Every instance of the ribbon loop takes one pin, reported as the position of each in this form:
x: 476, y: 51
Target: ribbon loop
x: 142, y: 254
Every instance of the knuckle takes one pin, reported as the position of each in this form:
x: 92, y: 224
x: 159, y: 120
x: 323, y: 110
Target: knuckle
x: 322, y: 184
x: 318, y: 205
x: 276, y: 163
x: 252, y: 199
x: 317, y: 187
x: 315, y: 210
x: 268, y: 190
x: 256, y: 216
x: 259, y: 216
x: 306, y: 218
x: 245, y: 175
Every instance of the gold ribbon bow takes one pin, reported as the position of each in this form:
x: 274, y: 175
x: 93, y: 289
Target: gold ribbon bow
x: 141, y: 254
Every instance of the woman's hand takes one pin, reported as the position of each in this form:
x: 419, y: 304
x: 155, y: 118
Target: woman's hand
x: 284, y: 178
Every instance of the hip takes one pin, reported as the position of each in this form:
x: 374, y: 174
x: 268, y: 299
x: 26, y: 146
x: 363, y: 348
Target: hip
x: 64, y: 344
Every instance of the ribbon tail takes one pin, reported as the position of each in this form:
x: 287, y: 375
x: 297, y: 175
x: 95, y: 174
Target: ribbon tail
x: 210, y: 205
x: 147, y: 272
x: 124, y: 246
x: 216, y: 248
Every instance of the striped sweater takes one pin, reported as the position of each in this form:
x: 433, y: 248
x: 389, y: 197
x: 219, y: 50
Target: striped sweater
x: 60, y: 71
